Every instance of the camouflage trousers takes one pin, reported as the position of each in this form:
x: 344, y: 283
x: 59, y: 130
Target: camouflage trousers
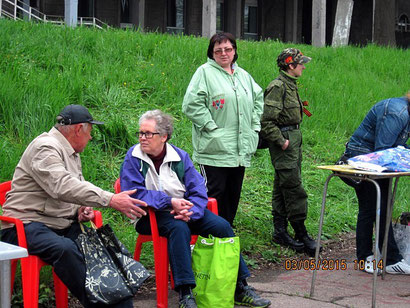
x: 289, y: 198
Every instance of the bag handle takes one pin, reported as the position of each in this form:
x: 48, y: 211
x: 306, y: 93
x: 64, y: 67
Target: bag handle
x: 93, y: 226
x: 203, y: 241
x: 229, y: 240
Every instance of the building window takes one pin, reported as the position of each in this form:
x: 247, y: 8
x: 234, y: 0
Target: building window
x: 250, y: 20
x: 175, y: 16
x: 219, y: 16
x: 403, y: 24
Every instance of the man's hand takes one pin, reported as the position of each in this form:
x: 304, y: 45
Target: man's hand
x: 285, y: 145
x: 181, y: 209
x: 85, y: 213
x: 130, y: 207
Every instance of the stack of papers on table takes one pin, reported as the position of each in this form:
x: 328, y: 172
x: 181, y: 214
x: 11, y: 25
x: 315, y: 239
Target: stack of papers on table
x: 394, y: 159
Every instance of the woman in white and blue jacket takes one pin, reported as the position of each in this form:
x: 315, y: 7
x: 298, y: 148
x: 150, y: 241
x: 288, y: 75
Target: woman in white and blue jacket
x: 165, y: 178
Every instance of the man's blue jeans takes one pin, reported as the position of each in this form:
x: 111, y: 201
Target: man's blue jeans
x: 58, y: 248
x: 179, y: 233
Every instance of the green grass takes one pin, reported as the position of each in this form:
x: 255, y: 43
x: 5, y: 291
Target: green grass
x: 120, y: 74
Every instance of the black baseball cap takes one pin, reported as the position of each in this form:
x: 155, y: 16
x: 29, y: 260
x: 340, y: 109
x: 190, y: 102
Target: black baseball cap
x: 74, y: 114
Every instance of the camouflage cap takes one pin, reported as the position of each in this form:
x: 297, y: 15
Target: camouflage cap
x: 291, y: 55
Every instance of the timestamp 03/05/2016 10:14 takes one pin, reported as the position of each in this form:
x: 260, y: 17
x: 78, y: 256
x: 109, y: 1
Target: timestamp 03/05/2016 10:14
x: 327, y: 264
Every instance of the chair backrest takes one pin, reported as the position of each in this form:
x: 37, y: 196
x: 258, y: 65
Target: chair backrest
x: 117, y: 186
x: 4, y: 188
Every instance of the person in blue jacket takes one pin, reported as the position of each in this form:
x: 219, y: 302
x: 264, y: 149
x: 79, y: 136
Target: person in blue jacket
x: 386, y: 125
x: 166, y: 179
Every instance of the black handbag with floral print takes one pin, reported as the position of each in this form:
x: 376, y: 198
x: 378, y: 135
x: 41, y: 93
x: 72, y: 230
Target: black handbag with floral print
x: 134, y: 272
x: 111, y: 273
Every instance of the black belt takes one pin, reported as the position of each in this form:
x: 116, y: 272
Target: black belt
x: 289, y: 127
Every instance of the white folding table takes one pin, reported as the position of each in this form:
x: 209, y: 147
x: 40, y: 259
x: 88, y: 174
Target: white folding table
x: 7, y: 253
x: 347, y: 171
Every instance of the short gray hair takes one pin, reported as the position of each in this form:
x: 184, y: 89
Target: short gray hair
x: 66, y: 129
x: 164, y: 122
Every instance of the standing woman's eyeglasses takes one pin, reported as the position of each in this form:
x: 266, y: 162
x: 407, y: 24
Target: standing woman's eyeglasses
x: 147, y: 135
x: 220, y: 51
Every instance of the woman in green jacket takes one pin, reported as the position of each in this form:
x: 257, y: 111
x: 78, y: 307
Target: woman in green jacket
x: 224, y: 104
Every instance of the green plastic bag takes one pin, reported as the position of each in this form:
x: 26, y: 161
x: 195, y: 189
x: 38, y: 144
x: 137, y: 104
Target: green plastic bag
x: 215, y: 263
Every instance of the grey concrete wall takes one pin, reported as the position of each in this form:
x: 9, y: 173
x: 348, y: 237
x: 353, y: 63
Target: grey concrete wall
x: 341, y: 30
x: 71, y: 12
x: 319, y: 23
x: 208, y: 18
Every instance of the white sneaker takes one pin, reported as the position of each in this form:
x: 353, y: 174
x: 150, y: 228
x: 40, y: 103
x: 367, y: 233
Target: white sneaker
x: 369, y: 265
x: 401, y: 267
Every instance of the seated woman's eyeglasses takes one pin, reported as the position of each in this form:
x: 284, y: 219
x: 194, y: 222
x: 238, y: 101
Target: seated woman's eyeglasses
x: 147, y: 135
x: 220, y: 51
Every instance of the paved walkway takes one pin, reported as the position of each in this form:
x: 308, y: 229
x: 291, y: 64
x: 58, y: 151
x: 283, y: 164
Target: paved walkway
x: 336, y: 288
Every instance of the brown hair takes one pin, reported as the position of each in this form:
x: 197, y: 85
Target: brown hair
x: 219, y: 38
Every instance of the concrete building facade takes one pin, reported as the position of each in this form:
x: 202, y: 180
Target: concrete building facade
x: 299, y: 21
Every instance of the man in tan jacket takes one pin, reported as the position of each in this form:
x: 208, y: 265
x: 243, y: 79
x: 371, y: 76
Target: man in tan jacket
x: 51, y: 197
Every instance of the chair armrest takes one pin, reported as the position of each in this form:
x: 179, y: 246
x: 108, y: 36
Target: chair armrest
x: 21, y: 235
x: 212, y: 205
x: 153, y: 223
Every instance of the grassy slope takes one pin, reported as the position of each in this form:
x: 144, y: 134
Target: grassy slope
x: 120, y: 74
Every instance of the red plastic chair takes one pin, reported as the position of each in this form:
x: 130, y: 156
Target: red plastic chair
x: 31, y: 265
x: 160, y: 243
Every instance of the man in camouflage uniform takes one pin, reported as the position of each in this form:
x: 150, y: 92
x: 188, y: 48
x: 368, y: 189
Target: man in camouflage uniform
x: 280, y: 121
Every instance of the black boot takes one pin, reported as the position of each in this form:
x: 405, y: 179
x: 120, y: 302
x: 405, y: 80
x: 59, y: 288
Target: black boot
x: 302, y: 235
x: 281, y: 235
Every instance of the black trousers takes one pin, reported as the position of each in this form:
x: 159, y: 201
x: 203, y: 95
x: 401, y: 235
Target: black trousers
x: 58, y: 248
x: 225, y: 185
x: 366, y: 218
